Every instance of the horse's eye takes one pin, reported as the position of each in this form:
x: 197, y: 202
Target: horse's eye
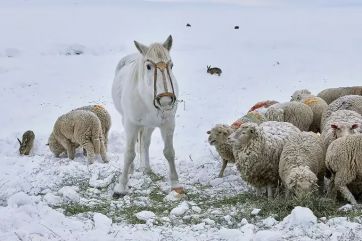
x: 149, y: 67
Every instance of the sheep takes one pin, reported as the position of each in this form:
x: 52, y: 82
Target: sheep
x: 294, y: 112
x: 257, y: 151
x: 340, y: 123
x: 262, y: 105
x: 330, y: 95
x: 217, y: 137
x: 348, y: 102
x: 317, y: 104
x: 79, y: 127
x: 344, y: 161
x: 103, y: 116
x: 301, y: 165
x: 251, y: 116
x: 27, y: 142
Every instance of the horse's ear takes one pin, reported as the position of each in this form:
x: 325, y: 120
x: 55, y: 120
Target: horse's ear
x: 142, y: 48
x: 168, y: 43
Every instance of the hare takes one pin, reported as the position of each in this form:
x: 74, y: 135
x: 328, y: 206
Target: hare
x: 27, y: 143
x: 213, y: 70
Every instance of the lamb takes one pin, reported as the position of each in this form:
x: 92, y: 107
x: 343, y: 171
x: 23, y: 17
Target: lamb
x: 344, y: 161
x: 217, y: 137
x: 103, y: 116
x: 317, y: 104
x: 79, y: 127
x: 330, y: 95
x: 257, y: 151
x: 348, y: 102
x: 340, y: 123
x: 27, y: 142
x: 294, y: 112
x: 301, y: 165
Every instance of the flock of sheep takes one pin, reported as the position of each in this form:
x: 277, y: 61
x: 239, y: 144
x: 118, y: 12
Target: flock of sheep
x: 298, y: 144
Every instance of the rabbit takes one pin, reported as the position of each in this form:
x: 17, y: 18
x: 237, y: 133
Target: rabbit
x: 27, y: 143
x: 213, y: 70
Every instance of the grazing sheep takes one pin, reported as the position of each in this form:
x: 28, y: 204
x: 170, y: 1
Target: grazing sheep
x: 317, y: 104
x: 26, y: 143
x: 251, y: 116
x: 262, y: 105
x: 330, y: 95
x: 340, y: 123
x: 257, y: 151
x: 348, y: 102
x: 294, y: 112
x: 301, y: 166
x: 103, y: 116
x: 344, y: 161
x: 217, y: 137
x: 79, y: 127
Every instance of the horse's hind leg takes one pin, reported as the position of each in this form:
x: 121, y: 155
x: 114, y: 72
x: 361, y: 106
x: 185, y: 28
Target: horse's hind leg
x: 169, y: 153
x: 121, y: 188
x: 145, y: 139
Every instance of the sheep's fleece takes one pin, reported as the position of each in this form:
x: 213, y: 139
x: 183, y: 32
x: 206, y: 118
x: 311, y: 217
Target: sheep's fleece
x: 330, y: 95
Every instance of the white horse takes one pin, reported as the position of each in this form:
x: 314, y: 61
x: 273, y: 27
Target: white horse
x: 145, y: 92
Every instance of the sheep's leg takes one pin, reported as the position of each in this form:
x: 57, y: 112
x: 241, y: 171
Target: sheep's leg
x: 121, y: 188
x: 88, y: 146
x: 270, y: 191
x: 331, y: 189
x: 103, y: 152
x: 258, y: 191
x: 224, y: 164
x: 167, y: 131
x: 321, y: 183
x: 145, y: 138
x: 68, y: 145
x: 341, y: 180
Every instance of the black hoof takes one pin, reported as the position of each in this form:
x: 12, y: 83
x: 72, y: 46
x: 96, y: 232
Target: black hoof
x: 117, y: 195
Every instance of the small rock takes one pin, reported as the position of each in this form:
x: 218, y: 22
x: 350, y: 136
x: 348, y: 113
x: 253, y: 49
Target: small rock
x: 180, y: 210
x: 196, y: 209
x: 145, y: 215
x: 269, y: 222
x: 244, y: 221
x: 209, y: 221
x: 323, y: 219
x: 255, y: 211
x: 301, y: 217
x: 227, y: 218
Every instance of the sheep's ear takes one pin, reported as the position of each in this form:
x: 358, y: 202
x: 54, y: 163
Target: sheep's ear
x: 142, y: 48
x: 19, y: 141
x: 354, y: 126
x: 208, y: 132
x: 334, y: 126
x: 168, y: 43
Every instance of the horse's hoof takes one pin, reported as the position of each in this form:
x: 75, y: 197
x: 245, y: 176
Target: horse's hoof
x: 179, y: 190
x: 118, y: 195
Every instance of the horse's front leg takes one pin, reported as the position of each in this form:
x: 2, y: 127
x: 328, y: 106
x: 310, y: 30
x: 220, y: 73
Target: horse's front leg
x: 121, y: 188
x: 145, y: 139
x: 167, y: 131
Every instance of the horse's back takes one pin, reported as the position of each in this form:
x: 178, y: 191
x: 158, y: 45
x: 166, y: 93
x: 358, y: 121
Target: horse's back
x: 125, y: 61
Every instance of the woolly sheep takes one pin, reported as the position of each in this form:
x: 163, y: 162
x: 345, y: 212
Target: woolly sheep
x: 261, y: 105
x: 340, y: 123
x: 344, y: 161
x: 257, y: 151
x: 83, y: 128
x: 217, y: 137
x: 103, y: 116
x: 317, y: 104
x: 348, y: 102
x: 301, y: 166
x: 330, y: 95
x: 294, y: 112
x: 26, y: 142
x: 252, y: 116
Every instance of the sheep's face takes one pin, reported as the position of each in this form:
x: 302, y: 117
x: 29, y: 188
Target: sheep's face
x: 55, y: 146
x: 344, y: 129
x: 297, y: 95
x: 243, y: 135
x: 302, y: 181
x: 219, y: 134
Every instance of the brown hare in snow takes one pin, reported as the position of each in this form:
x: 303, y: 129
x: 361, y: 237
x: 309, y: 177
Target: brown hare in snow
x: 213, y: 70
x: 26, y: 143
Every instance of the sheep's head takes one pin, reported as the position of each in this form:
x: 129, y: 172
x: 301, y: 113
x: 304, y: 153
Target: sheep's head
x: 244, y: 134
x: 344, y: 129
x: 301, y: 181
x: 298, y: 95
x: 55, y: 146
x: 219, y: 134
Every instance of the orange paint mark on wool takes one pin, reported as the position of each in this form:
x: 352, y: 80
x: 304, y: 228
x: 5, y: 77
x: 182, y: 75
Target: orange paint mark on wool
x: 311, y: 101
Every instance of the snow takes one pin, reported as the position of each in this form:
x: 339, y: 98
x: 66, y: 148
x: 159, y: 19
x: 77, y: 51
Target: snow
x: 61, y: 54
x: 145, y: 215
x: 255, y: 211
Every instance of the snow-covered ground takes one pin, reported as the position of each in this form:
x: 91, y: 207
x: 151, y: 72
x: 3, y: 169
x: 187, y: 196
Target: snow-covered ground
x: 58, y: 55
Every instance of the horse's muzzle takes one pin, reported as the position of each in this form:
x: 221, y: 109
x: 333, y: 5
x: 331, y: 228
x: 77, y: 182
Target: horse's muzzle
x: 165, y: 99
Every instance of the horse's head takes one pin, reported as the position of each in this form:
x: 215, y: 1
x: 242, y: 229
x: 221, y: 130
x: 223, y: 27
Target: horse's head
x: 158, y: 81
